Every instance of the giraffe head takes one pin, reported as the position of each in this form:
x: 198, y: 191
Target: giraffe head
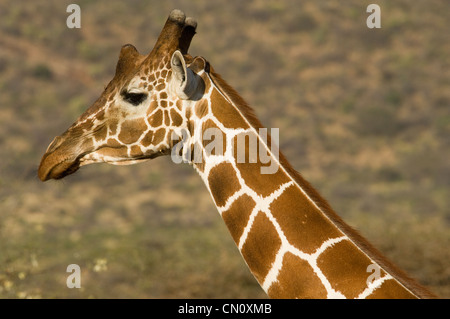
x: 141, y: 107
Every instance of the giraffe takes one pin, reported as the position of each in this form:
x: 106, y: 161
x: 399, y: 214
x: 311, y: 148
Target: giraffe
x: 163, y: 103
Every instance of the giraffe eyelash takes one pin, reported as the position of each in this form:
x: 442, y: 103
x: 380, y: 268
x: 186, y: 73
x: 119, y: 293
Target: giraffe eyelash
x: 134, y: 98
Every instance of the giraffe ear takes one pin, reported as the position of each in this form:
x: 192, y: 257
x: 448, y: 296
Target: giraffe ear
x: 184, y: 80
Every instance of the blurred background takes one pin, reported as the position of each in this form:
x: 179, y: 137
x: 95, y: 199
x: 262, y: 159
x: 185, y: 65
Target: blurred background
x: 363, y: 114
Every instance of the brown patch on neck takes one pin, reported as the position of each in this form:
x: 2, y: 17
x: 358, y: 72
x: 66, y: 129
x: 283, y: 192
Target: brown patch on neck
x: 232, y: 95
x: 262, y: 184
x: 237, y: 216
x: 303, y: 225
x: 296, y: 270
x: 201, y: 108
x: 213, y: 146
x: 345, y: 267
x: 391, y: 289
x: 261, y: 246
x: 223, y: 183
x: 228, y: 116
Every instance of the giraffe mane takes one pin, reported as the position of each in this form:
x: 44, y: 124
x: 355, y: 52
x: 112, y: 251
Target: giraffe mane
x: 249, y: 114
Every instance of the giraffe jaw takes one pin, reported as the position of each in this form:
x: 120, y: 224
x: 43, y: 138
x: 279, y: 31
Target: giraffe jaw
x: 89, y: 159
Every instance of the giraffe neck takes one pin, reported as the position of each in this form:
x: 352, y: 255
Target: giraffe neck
x: 292, y: 241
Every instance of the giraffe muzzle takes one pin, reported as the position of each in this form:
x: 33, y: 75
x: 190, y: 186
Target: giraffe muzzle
x: 63, y: 157
x: 56, y: 165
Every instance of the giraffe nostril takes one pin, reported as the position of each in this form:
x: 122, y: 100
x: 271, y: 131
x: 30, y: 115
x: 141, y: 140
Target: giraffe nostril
x: 54, y: 144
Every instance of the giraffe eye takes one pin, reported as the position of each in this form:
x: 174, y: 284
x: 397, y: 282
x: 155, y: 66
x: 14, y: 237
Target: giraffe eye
x: 134, y: 98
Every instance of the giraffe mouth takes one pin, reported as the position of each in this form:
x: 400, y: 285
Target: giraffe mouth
x: 54, y: 167
x: 63, y: 157
x: 96, y: 157
x: 57, y: 162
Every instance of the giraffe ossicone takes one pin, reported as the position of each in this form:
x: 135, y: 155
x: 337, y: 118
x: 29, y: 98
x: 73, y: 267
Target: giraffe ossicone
x: 170, y: 103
